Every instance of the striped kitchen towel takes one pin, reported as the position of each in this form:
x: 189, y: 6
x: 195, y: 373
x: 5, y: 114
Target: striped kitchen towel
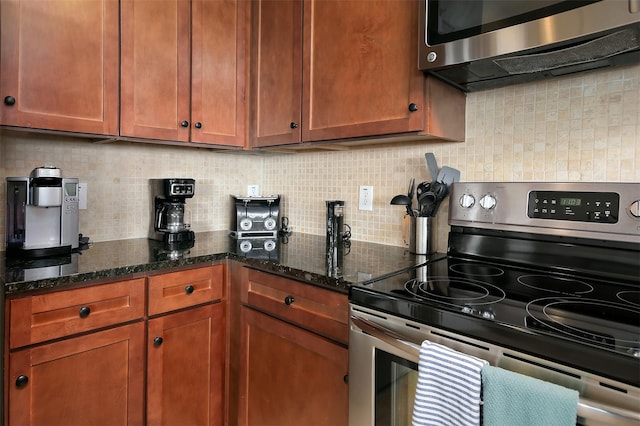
x: 449, y: 386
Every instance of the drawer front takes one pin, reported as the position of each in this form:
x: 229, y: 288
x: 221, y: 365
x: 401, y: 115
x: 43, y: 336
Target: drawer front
x: 177, y: 290
x: 322, y: 311
x: 58, y: 314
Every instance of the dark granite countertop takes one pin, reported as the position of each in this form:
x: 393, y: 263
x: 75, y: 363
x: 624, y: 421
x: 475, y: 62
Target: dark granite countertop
x: 299, y: 256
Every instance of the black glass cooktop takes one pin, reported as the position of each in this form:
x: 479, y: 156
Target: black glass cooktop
x: 554, y: 314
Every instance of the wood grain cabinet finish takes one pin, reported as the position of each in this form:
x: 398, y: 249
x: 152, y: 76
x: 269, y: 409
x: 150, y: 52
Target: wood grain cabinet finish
x: 183, y: 289
x: 331, y: 70
x: 94, y: 379
x: 293, y: 353
x: 92, y: 355
x: 48, y: 316
x: 60, y: 65
x: 290, y: 376
x: 183, y: 70
x: 185, y: 347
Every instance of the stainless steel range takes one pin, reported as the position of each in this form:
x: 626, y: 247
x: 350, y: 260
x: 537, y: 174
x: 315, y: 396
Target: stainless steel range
x: 539, y: 278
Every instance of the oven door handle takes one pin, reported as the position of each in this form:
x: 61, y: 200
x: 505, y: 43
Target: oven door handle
x: 387, y: 336
x: 587, y: 409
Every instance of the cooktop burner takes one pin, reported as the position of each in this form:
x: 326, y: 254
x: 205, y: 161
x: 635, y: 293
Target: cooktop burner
x: 555, y: 284
x: 455, y: 291
x: 582, y: 309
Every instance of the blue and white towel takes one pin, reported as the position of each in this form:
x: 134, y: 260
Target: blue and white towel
x: 449, y: 386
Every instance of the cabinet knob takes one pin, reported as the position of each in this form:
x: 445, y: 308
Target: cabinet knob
x: 189, y: 289
x: 84, y: 312
x: 185, y: 123
x: 198, y: 125
x: 157, y: 341
x: 293, y: 125
x: 413, y: 107
x: 9, y: 100
x: 289, y: 300
x: 22, y: 381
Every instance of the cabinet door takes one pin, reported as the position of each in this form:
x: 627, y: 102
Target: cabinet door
x: 94, y: 379
x: 218, y: 71
x: 185, y: 382
x: 155, y: 86
x: 290, y: 376
x: 60, y: 65
x: 361, y: 82
x: 276, y: 72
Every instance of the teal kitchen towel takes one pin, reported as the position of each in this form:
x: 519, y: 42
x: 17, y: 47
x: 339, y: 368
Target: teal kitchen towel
x: 513, y: 399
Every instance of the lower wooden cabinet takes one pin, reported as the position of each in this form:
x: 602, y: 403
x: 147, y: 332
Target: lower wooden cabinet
x: 77, y: 357
x: 293, y: 356
x: 95, y: 379
x: 185, y: 373
x: 290, y: 375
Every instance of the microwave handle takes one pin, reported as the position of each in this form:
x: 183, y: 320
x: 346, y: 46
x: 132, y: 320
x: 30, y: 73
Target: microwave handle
x: 387, y: 336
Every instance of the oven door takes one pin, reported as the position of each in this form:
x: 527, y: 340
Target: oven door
x: 383, y: 370
x: 382, y: 376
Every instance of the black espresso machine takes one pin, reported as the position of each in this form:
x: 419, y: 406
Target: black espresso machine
x: 171, y: 217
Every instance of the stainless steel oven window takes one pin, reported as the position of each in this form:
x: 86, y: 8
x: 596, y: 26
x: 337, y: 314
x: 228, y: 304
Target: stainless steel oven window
x: 396, y: 381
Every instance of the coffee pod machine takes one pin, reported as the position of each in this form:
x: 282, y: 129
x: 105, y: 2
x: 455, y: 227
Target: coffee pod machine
x: 42, y: 214
x: 171, y: 216
x: 254, y: 225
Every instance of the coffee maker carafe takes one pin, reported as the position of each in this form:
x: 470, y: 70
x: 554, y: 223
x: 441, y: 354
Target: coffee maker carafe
x: 42, y: 214
x: 171, y: 215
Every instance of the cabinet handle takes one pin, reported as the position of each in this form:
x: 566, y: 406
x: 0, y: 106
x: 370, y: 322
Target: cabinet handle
x: 157, y: 341
x: 9, y: 100
x: 84, y: 311
x: 22, y: 381
x: 185, y: 123
x: 346, y: 378
x: 189, y: 289
x: 198, y: 125
x: 293, y: 125
x: 289, y: 300
x: 413, y: 107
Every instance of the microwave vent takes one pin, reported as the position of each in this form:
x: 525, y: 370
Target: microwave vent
x: 595, y: 50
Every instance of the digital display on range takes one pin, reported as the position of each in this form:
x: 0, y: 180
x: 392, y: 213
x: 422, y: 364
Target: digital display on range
x: 598, y: 207
x: 570, y: 201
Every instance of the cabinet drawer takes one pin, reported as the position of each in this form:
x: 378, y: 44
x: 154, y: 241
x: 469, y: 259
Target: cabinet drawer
x: 176, y: 290
x: 322, y: 311
x: 53, y: 315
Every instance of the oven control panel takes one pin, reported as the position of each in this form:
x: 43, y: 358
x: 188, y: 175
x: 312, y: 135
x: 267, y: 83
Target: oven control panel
x: 600, y: 207
x: 601, y: 210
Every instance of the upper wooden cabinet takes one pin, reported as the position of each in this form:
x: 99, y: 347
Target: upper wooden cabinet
x: 59, y: 62
x: 331, y: 70
x: 183, y: 70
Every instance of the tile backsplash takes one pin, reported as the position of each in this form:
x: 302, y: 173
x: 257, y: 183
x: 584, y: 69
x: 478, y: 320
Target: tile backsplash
x: 576, y: 128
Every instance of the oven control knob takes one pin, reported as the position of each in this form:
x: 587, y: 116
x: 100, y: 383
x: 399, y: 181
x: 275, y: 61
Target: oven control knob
x: 467, y: 201
x: 634, y: 209
x: 488, y: 202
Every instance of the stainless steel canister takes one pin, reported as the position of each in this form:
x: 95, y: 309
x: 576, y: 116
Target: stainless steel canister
x: 421, y: 235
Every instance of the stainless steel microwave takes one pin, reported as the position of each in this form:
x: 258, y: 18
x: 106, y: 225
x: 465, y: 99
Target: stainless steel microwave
x: 478, y: 44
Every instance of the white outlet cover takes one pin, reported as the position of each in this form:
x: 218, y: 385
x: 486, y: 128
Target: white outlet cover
x: 365, y: 198
x: 253, y: 191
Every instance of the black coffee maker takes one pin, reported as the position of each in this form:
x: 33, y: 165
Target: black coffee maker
x: 171, y: 215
